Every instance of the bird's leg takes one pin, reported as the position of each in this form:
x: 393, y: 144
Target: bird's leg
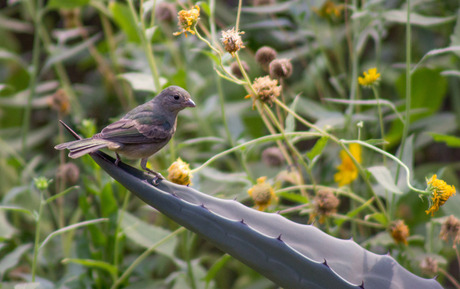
x: 158, y: 176
x: 118, y: 160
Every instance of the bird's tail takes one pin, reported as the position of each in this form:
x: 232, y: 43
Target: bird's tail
x: 81, y: 147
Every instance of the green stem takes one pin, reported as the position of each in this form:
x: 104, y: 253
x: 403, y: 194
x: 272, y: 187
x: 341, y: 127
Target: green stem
x: 146, y: 45
x: 37, y: 236
x: 408, y: 88
x: 36, y: 16
x: 121, y: 213
x: 391, y: 157
x: 238, y: 15
x: 143, y: 256
x: 379, y: 108
x: 251, y: 142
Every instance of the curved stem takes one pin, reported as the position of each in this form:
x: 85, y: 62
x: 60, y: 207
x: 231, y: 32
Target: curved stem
x: 391, y: 157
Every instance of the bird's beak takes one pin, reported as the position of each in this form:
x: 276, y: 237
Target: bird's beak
x: 190, y: 103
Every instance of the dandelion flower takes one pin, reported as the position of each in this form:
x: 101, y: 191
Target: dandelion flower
x: 179, y: 173
x: 262, y: 193
x: 231, y: 41
x: 187, y: 20
x: 370, y: 78
x: 440, y: 193
x: 348, y: 172
x: 399, y: 232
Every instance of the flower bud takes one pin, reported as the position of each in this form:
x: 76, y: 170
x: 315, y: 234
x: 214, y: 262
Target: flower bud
x: 235, y: 69
x: 69, y: 173
x: 165, y: 11
x: 280, y: 68
x: 265, y: 55
x: 273, y: 157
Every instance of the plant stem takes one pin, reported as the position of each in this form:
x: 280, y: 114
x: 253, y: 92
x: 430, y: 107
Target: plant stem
x: 146, y: 45
x: 37, y: 236
x: 408, y: 88
x: 35, y: 12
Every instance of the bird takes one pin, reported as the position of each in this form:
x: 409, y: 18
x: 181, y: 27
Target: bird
x: 139, y: 134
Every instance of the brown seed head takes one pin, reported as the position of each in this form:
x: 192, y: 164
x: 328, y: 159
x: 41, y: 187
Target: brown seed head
x: 235, y: 69
x: 326, y: 204
x: 450, y: 229
x: 429, y: 266
x: 59, y: 102
x: 231, y: 40
x: 273, y: 157
x: 399, y: 231
x: 165, y: 11
x: 280, y: 68
x: 69, y: 173
x: 265, y: 55
x: 267, y: 89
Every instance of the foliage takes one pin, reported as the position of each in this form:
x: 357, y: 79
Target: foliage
x: 89, y: 61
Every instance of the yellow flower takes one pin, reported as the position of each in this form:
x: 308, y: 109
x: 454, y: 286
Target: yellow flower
x: 179, y: 173
x: 262, y: 193
x: 231, y: 40
x: 440, y: 193
x: 329, y: 10
x: 348, y: 172
x: 399, y: 231
x: 371, y: 77
x: 188, y: 20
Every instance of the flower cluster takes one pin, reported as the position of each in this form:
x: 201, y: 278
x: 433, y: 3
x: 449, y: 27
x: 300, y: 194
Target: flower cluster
x: 347, y: 171
x: 399, y: 231
x: 262, y: 193
x: 188, y: 20
x: 179, y: 173
x: 369, y: 78
x: 440, y: 193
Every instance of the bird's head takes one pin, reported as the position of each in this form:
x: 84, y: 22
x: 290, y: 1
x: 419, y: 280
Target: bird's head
x: 174, y: 99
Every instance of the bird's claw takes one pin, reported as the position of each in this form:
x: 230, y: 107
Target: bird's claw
x: 157, y: 177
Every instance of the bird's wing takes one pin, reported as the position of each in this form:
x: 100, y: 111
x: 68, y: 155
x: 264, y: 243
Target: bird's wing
x: 136, y: 131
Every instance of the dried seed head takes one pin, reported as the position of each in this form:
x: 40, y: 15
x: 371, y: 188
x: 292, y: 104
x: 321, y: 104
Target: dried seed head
x: 429, y: 266
x: 450, y: 229
x: 273, y: 157
x: 267, y: 89
x: 165, y: 11
x: 69, y: 173
x: 231, y: 40
x: 399, y: 231
x: 326, y: 204
x: 235, y: 69
x: 179, y: 172
x: 280, y: 68
x: 59, y: 102
x: 265, y: 55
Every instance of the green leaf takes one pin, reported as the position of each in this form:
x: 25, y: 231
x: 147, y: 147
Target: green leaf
x: 353, y: 213
x: 400, y: 16
x: 293, y: 197
x: 449, y: 140
x: 125, y: 20
x: 147, y: 235
x: 318, y: 148
x: 90, y: 263
x: 12, y: 259
x: 384, y: 178
x: 428, y: 92
x: 215, y: 268
x: 6, y: 230
x: 379, y: 217
x: 66, y: 4
x: 142, y: 81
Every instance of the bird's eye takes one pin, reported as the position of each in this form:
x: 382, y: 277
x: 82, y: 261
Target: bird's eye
x: 176, y: 97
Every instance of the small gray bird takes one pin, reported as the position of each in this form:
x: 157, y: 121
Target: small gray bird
x: 141, y: 132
